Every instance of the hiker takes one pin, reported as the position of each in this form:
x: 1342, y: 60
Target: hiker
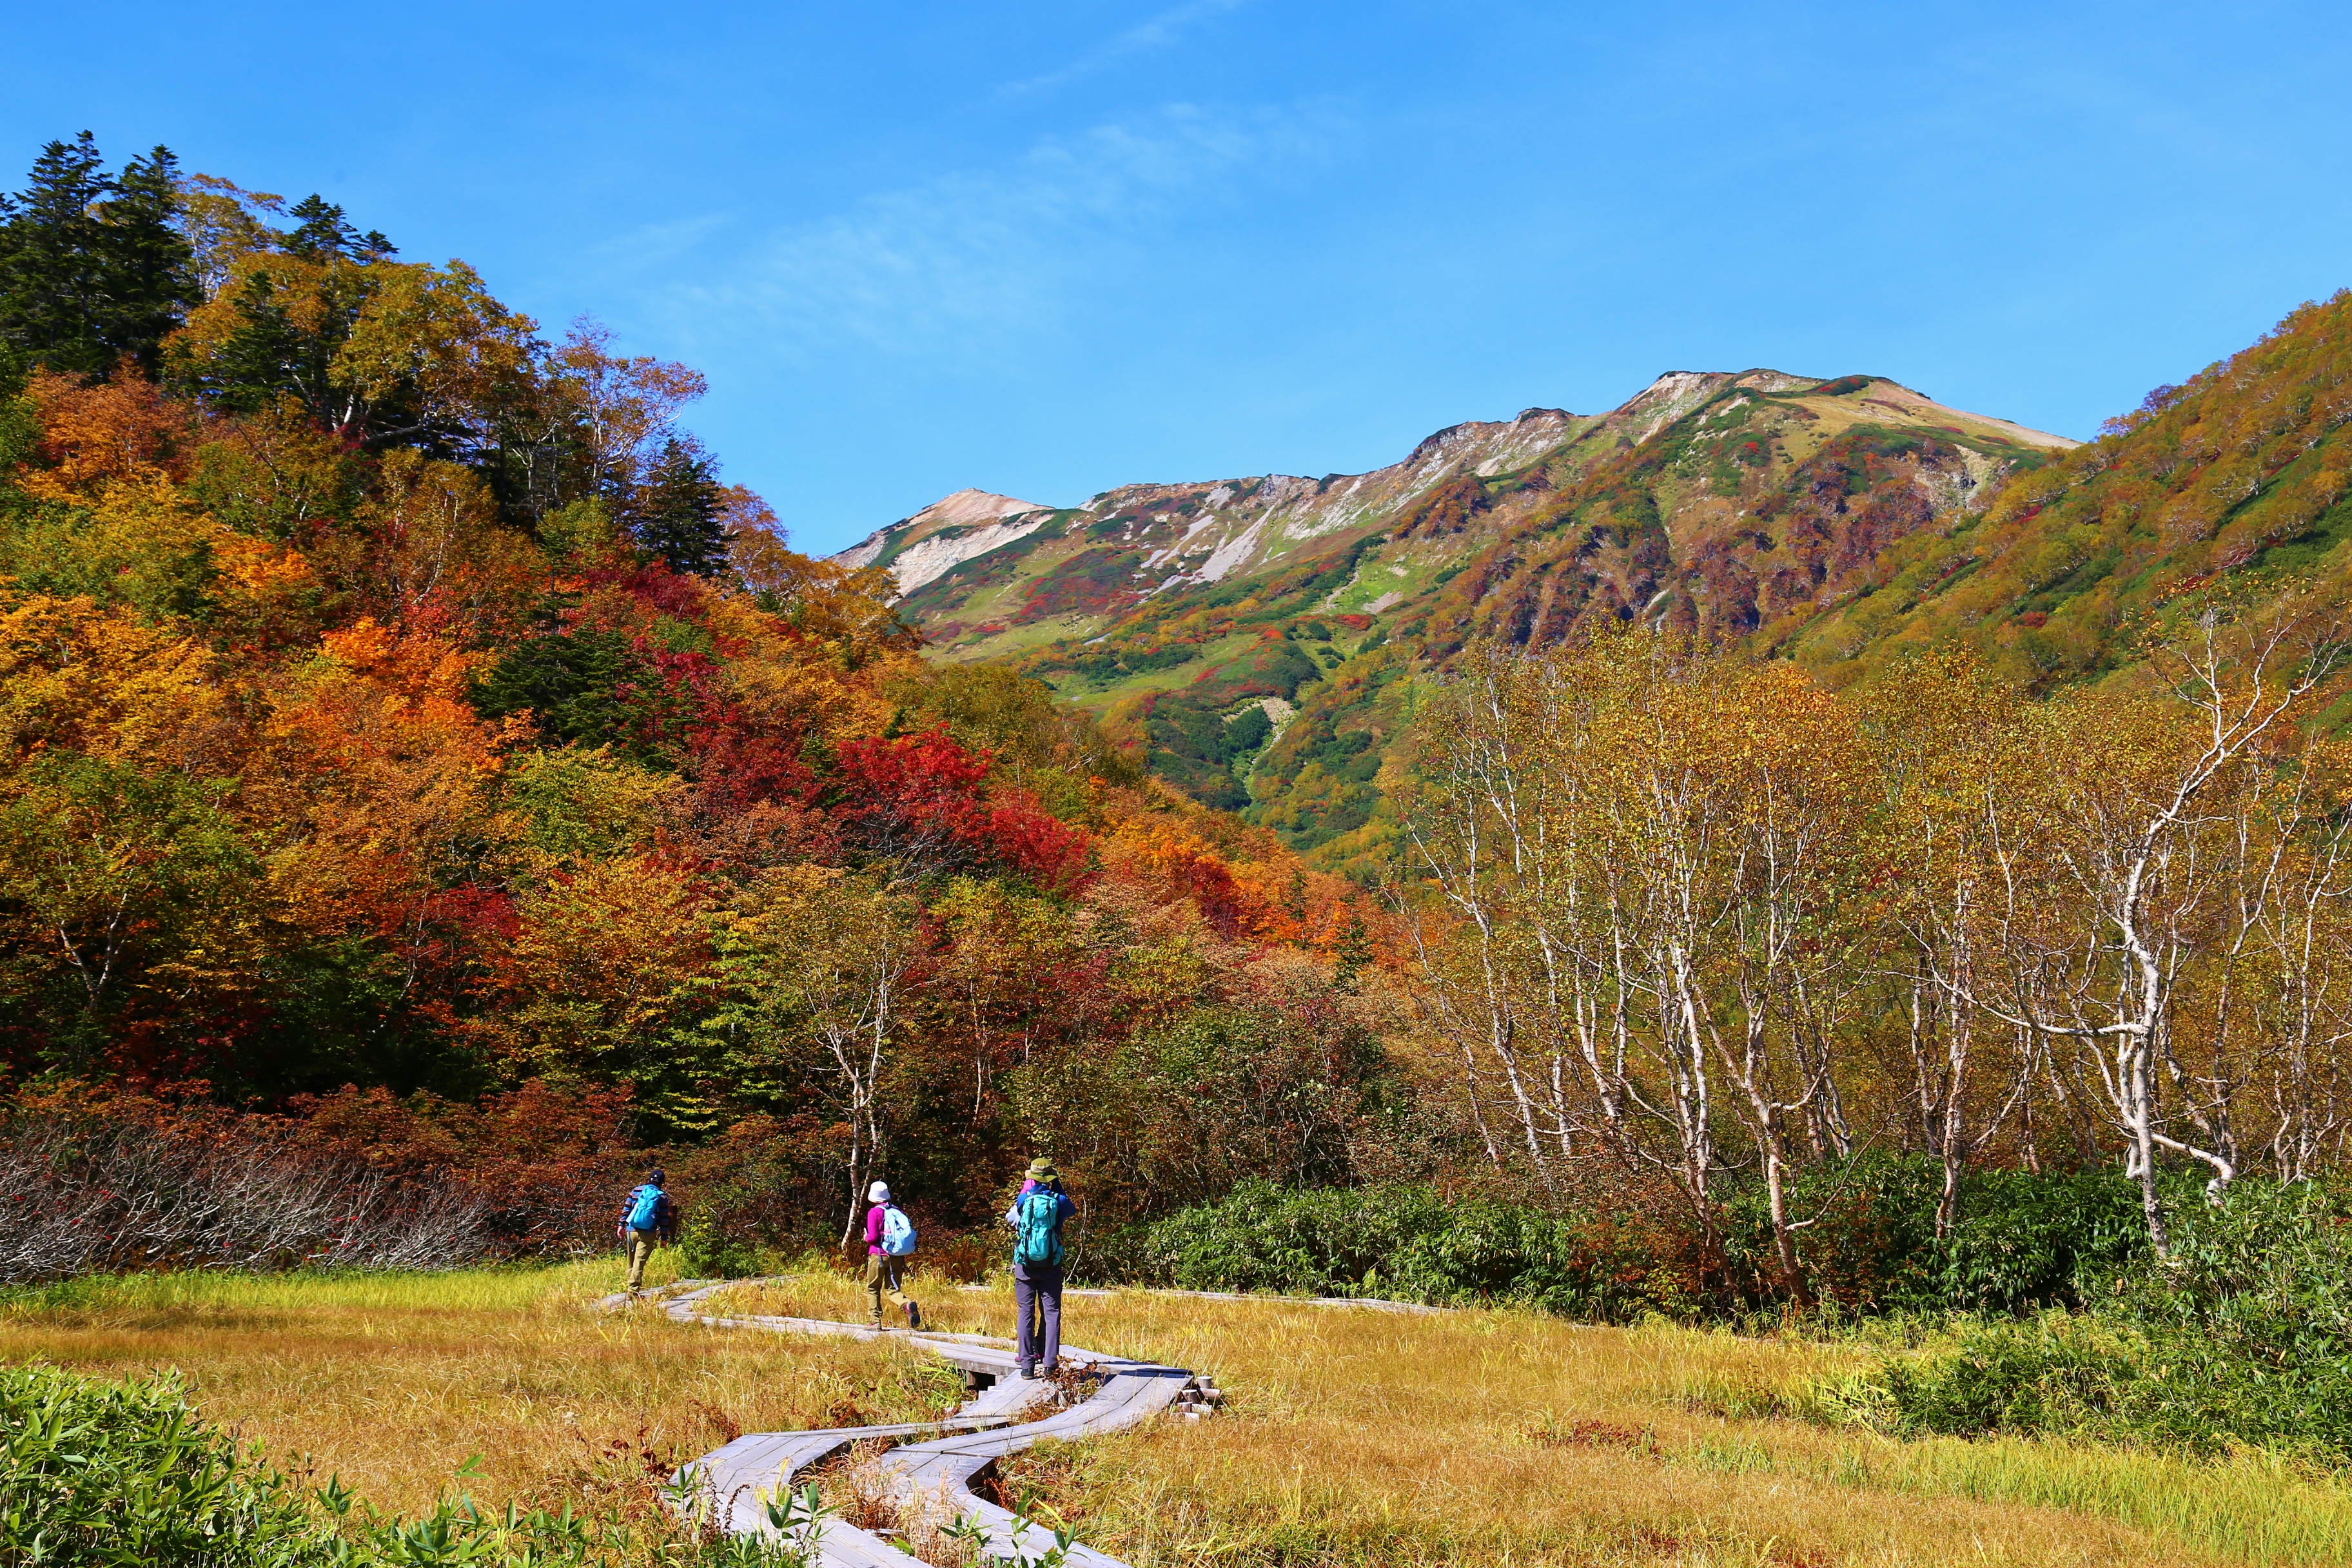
x: 1036, y: 1217
x: 647, y: 1216
x: 889, y: 1241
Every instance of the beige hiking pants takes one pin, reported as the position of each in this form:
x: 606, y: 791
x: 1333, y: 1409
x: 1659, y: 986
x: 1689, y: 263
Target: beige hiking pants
x: 883, y: 1274
x: 641, y: 1248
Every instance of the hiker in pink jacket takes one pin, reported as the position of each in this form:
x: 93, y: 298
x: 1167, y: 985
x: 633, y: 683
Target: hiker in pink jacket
x: 889, y: 1242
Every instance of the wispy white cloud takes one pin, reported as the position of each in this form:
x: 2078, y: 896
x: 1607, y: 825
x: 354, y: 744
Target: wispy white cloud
x: 1156, y: 34
x: 966, y: 266
x: 654, y: 248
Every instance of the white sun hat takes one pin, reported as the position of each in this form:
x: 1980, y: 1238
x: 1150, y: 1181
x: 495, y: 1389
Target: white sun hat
x: 879, y: 1193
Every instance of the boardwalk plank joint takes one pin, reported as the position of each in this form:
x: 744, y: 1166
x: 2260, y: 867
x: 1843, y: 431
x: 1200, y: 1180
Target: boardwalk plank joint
x: 741, y: 1477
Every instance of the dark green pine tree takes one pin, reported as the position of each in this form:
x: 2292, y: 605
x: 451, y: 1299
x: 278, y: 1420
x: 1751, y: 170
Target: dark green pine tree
x: 265, y: 357
x: 677, y: 513
x: 91, y: 266
x: 321, y: 232
x: 149, y: 269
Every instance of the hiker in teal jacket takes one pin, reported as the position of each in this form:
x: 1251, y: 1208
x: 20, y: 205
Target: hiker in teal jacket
x: 647, y: 1216
x: 1036, y: 1217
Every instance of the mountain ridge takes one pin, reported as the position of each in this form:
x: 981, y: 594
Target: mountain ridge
x: 1286, y: 510
x: 1249, y: 635
x: 1261, y: 638
x: 969, y: 522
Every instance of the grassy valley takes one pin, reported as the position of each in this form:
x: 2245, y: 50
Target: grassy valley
x: 1834, y: 1105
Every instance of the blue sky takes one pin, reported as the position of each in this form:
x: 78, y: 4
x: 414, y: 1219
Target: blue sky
x: 1049, y: 248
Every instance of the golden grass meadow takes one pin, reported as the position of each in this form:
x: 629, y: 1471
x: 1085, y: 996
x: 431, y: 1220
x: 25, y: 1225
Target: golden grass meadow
x: 1351, y: 1436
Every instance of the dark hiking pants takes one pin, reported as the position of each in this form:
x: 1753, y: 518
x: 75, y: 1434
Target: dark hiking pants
x: 1038, y: 1314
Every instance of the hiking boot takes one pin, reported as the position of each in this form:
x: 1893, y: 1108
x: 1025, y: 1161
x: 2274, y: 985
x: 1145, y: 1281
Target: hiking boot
x: 914, y: 1316
x: 1024, y: 1374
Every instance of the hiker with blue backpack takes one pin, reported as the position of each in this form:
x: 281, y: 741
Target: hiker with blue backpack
x: 647, y: 1216
x: 1036, y: 1217
x: 889, y: 1242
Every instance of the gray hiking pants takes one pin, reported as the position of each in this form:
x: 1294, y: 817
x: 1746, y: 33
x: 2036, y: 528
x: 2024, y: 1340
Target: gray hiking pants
x: 1037, y: 1313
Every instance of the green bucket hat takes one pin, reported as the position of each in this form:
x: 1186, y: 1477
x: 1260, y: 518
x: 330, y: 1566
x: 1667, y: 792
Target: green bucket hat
x: 1041, y: 1169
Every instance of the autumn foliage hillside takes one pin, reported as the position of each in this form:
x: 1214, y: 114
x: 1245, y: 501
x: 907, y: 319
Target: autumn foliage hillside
x: 2228, y: 487
x: 1254, y: 636
x: 403, y: 731
x: 1274, y: 632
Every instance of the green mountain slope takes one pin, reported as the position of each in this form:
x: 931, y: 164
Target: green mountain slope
x: 1258, y: 635
x: 2225, y: 488
x: 1250, y: 632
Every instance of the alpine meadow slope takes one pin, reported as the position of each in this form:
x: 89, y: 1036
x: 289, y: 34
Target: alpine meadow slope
x: 1250, y: 633
x: 1255, y: 635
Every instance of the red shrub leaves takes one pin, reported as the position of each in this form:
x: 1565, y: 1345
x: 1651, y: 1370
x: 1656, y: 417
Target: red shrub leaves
x: 918, y: 799
x: 1022, y: 837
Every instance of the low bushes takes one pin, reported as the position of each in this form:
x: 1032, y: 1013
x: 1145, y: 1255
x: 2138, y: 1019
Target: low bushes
x: 101, y: 1196
x: 2023, y: 1242
x: 93, y: 1181
x: 1403, y: 1241
x: 2110, y: 1376
x: 705, y: 1251
x: 97, y: 1473
x: 2043, y: 1312
x: 2243, y: 1334
x: 122, y: 1473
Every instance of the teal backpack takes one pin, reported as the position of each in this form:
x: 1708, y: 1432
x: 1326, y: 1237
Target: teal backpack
x: 645, y: 1207
x: 1039, y: 1233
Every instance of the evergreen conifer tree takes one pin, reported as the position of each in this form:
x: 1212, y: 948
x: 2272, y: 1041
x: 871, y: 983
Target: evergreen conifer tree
x: 678, y: 512
x: 321, y: 232
x: 91, y: 267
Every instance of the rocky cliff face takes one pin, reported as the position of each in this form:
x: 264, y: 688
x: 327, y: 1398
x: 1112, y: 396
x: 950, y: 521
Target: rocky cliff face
x: 944, y: 535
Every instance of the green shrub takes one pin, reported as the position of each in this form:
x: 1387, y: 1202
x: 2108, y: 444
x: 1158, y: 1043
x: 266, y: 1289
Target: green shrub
x: 96, y: 1472
x: 705, y: 1251
x: 2266, y: 1272
x: 1403, y: 1241
x: 2023, y: 1242
x: 2054, y: 1372
x: 2243, y: 1334
x: 2026, y: 1240
x: 105, y: 1474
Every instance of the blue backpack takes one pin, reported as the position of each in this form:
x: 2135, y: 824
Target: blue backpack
x: 645, y: 1207
x: 1039, y: 1229
x: 897, y: 1232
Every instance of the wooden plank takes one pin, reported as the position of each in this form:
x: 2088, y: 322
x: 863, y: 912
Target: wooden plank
x: 1006, y: 1538
x: 736, y: 1474
x: 844, y: 1545
x: 1130, y: 1391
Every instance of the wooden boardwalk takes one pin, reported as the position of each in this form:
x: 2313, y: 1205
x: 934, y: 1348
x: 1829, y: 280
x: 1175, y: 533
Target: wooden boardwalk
x: 1004, y: 1416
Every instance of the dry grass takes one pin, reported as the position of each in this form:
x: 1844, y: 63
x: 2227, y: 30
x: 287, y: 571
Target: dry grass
x: 1360, y: 1436
x: 394, y: 1381
x: 1352, y: 1437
